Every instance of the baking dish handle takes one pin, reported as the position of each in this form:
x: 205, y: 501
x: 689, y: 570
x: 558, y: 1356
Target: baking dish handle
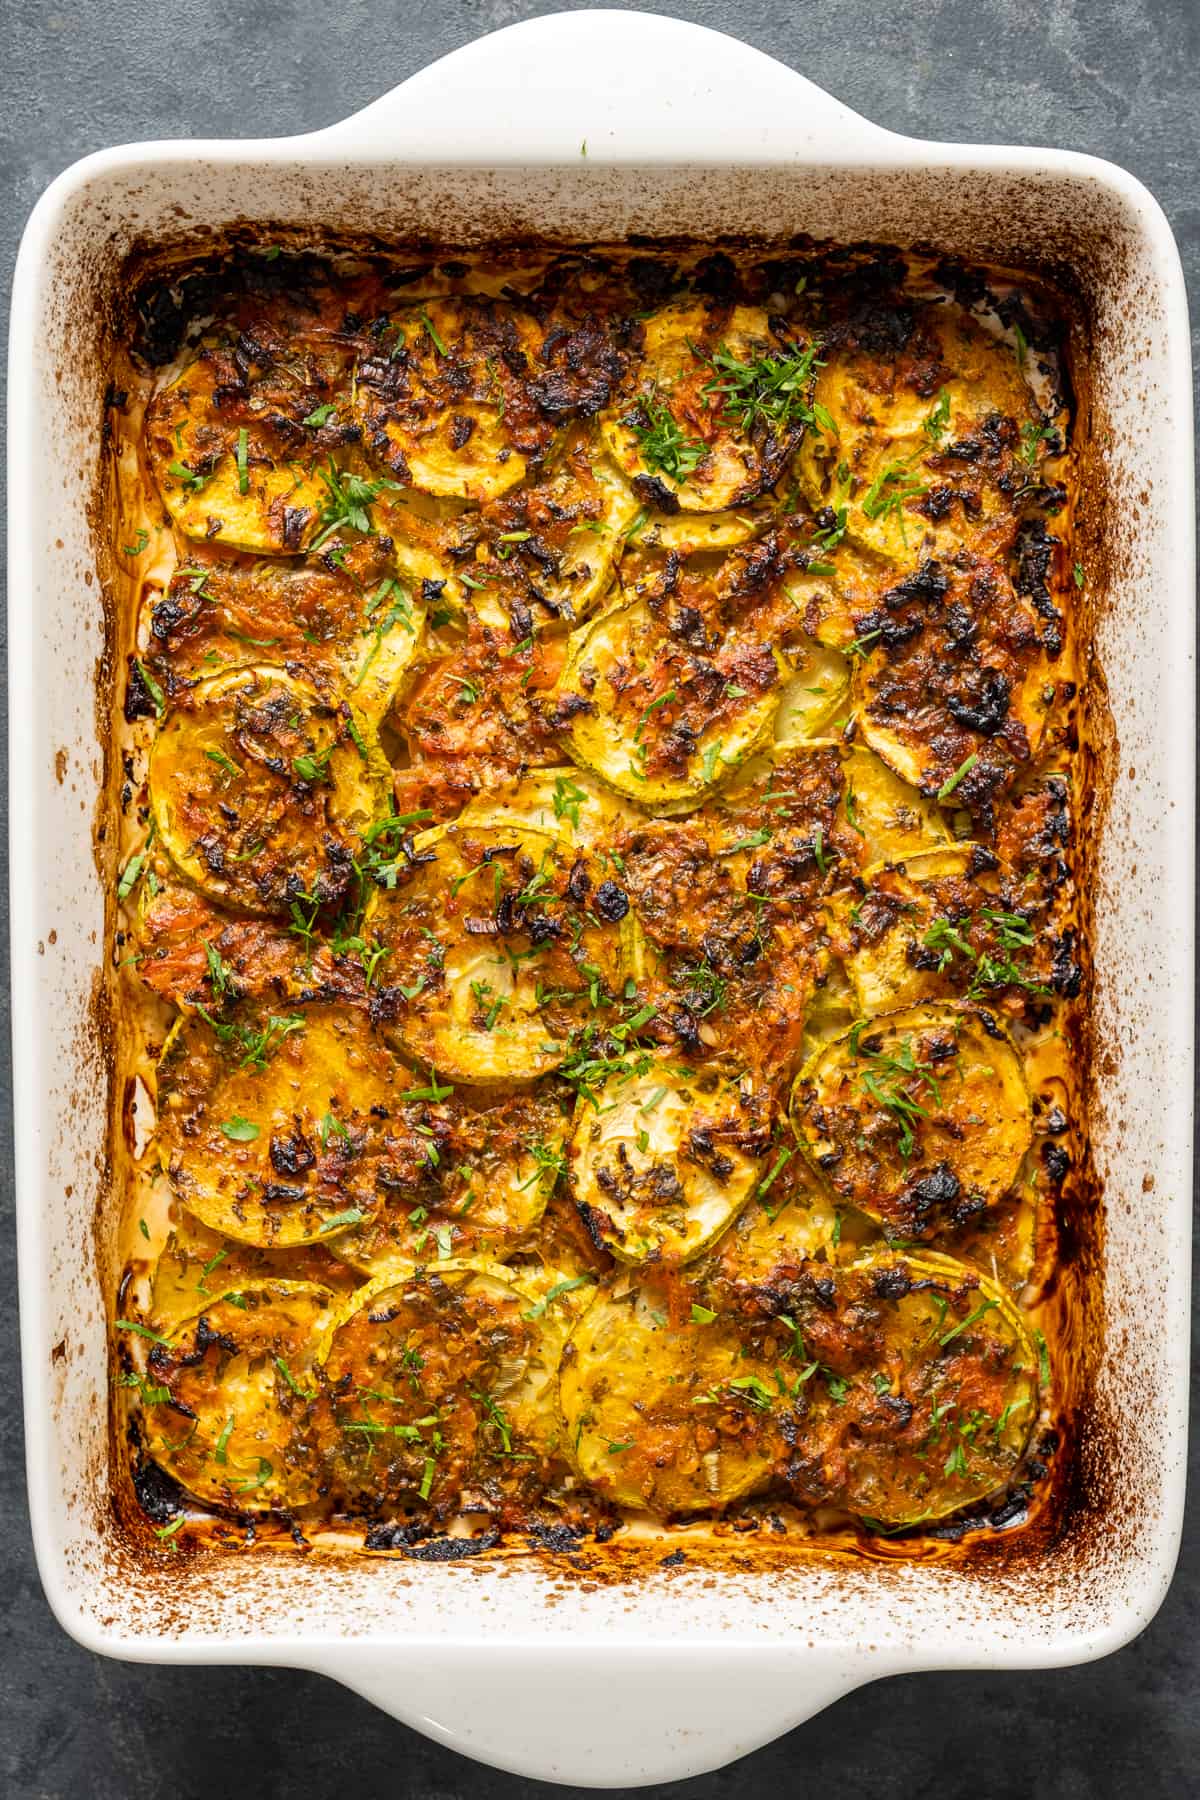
x: 607, y: 1715
x: 606, y: 87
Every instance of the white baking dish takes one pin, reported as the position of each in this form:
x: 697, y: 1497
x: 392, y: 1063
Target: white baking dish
x: 527, y: 1666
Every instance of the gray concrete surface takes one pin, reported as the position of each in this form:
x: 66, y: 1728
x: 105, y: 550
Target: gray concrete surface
x: 1115, y: 77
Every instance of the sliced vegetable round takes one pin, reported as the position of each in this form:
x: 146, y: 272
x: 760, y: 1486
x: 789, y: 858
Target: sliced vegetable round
x: 260, y: 792
x: 500, y: 942
x: 720, y: 404
x: 489, y: 1164
x: 900, y: 418
x: 628, y: 685
x: 927, y: 1390
x: 565, y: 801
x: 960, y: 696
x: 891, y: 820
x: 285, y: 1128
x: 814, y: 696
x: 233, y: 446
x: 340, y: 618
x: 894, y: 952
x: 438, y: 403
x: 920, y: 1118
x: 790, y: 1221
x: 223, y: 1401
x: 420, y: 1369
x: 661, y: 1160
x: 669, y: 1413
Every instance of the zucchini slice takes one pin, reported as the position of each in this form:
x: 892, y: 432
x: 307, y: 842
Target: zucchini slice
x: 729, y: 904
x: 474, y: 716
x: 937, y: 439
x: 919, y: 1118
x: 692, y: 533
x: 231, y: 446
x: 667, y: 1407
x: 660, y: 1160
x: 890, y: 819
x: 545, y: 549
x: 420, y: 1370
x: 927, y: 1390
x: 224, y: 1400
x: 661, y: 724
x: 284, y: 1128
x: 439, y: 406
x: 835, y: 591
x: 790, y: 1222
x: 260, y: 792
x: 490, y: 1164
x: 500, y: 943
x: 718, y: 409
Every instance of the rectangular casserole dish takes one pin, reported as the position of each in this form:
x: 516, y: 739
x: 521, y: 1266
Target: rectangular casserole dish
x: 596, y: 126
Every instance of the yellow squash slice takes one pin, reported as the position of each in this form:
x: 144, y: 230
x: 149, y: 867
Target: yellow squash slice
x: 567, y: 802
x: 437, y: 401
x: 420, y: 1369
x: 497, y: 942
x: 666, y: 1413
x: 285, y: 1128
x: 339, y: 618
x: 225, y: 1397
x: 790, y: 1222
x: 927, y: 1390
x: 260, y: 792
x: 814, y: 696
x: 892, y: 821
x: 884, y: 932
x: 919, y: 1118
x: 719, y: 407
x: 235, y: 451
x: 660, y: 1161
x: 624, y: 687
x: 899, y: 418
x: 490, y: 1163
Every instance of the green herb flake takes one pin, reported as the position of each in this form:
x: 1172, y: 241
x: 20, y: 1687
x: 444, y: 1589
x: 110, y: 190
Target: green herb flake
x: 239, y: 1130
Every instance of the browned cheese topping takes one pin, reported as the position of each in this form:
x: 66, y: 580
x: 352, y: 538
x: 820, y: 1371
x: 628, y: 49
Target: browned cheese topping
x: 596, y: 913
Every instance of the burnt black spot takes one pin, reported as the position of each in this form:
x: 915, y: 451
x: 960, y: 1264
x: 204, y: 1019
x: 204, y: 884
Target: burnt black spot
x: 139, y: 701
x: 935, y: 1193
x: 292, y: 1154
x: 1057, y: 1161
x: 892, y: 1284
x: 985, y: 707
x: 611, y: 902
x: 158, y: 1494
x: 652, y: 491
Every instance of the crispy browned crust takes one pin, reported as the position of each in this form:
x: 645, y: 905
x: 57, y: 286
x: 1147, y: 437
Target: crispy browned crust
x: 455, y: 431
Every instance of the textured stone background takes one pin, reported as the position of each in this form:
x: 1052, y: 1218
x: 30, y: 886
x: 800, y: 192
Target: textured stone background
x: 1118, y: 78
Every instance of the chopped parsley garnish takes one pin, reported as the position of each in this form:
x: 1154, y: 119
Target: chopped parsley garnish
x: 662, y: 441
x: 891, y: 1081
x: 771, y: 391
x: 239, y: 1130
x: 964, y: 768
x: 888, y: 493
x: 936, y: 424
x: 348, y: 501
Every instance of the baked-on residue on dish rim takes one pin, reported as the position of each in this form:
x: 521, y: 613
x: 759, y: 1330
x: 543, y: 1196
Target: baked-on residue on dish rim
x: 822, y: 167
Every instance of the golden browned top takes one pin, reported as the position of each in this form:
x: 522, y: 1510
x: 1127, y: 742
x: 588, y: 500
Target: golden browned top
x: 598, y: 892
